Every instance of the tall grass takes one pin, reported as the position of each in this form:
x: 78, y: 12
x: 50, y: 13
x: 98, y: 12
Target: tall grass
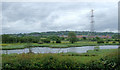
x: 64, y: 44
x: 58, y: 62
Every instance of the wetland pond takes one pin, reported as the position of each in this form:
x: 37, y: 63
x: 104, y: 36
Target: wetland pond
x: 82, y: 49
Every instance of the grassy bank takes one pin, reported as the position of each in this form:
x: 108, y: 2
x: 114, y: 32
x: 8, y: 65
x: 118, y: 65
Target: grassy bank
x: 103, y: 59
x: 64, y: 44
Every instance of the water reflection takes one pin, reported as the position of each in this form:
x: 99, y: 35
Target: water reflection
x: 83, y: 49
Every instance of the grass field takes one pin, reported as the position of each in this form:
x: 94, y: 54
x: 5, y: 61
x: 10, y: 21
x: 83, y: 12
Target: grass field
x: 56, y: 61
x: 64, y: 44
x: 90, y: 55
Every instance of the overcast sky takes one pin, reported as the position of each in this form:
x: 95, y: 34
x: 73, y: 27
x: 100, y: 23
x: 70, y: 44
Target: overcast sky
x: 41, y: 17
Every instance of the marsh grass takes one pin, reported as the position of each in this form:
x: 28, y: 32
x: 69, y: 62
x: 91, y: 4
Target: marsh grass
x: 64, y: 44
x: 97, y: 48
x: 104, y: 60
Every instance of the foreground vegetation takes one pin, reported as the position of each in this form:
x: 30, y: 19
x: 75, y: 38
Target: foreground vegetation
x: 106, y: 59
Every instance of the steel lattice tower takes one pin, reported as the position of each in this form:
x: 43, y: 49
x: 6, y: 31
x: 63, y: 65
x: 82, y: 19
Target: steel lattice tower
x: 92, y: 29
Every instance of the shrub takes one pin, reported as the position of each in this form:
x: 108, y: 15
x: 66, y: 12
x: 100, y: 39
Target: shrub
x: 96, y: 48
x: 44, y: 62
x: 40, y: 42
x: 58, y: 62
x: 117, y: 40
x: 104, y: 64
x: 45, y: 40
x: 113, y: 42
x: 58, y: 41
x: 100, y: 41
x: 28, y: 45
x: 107, y: 42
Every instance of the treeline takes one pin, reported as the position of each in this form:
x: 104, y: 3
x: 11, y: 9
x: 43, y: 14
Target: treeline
x: 7, y: 38
x: 63, y: 33
x: 38, y: 39
x: 30, y: 39
x: 15, y: 39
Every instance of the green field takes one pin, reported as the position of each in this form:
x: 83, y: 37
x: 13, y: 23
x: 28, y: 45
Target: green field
x: 64, y: 44
x: 68, y: 61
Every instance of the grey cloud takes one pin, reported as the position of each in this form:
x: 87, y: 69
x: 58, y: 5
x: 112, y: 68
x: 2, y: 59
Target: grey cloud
x: 30, y: 17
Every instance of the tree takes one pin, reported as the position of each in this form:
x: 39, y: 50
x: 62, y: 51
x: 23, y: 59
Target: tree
x: 97, y: 38
x: 100, y: 41
x: 58, y: 40
x: 84, y: 38
x: 72, y: 37
x: 55, y: 38
x: 116, y: 36
x: 45, y: 40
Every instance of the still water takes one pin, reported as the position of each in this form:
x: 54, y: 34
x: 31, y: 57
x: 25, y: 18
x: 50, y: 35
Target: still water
x: 83, y: 49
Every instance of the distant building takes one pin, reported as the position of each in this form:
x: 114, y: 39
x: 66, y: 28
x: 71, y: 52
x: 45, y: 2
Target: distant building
x: 81, y: 36
x: 63, y: 36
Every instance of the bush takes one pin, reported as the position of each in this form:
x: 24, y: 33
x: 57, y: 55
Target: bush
x: 28, y: 45
x: 58, y: 62
x: 45, y: 40
x: 104, y: 64
x: 58, y: 41
x: 107, y: 42
x: 40, y: 42
x: 44, y: 62
x: 117, y: 40
x: 100, y: 41
x: 96, y: 48
x: 113, y: 42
